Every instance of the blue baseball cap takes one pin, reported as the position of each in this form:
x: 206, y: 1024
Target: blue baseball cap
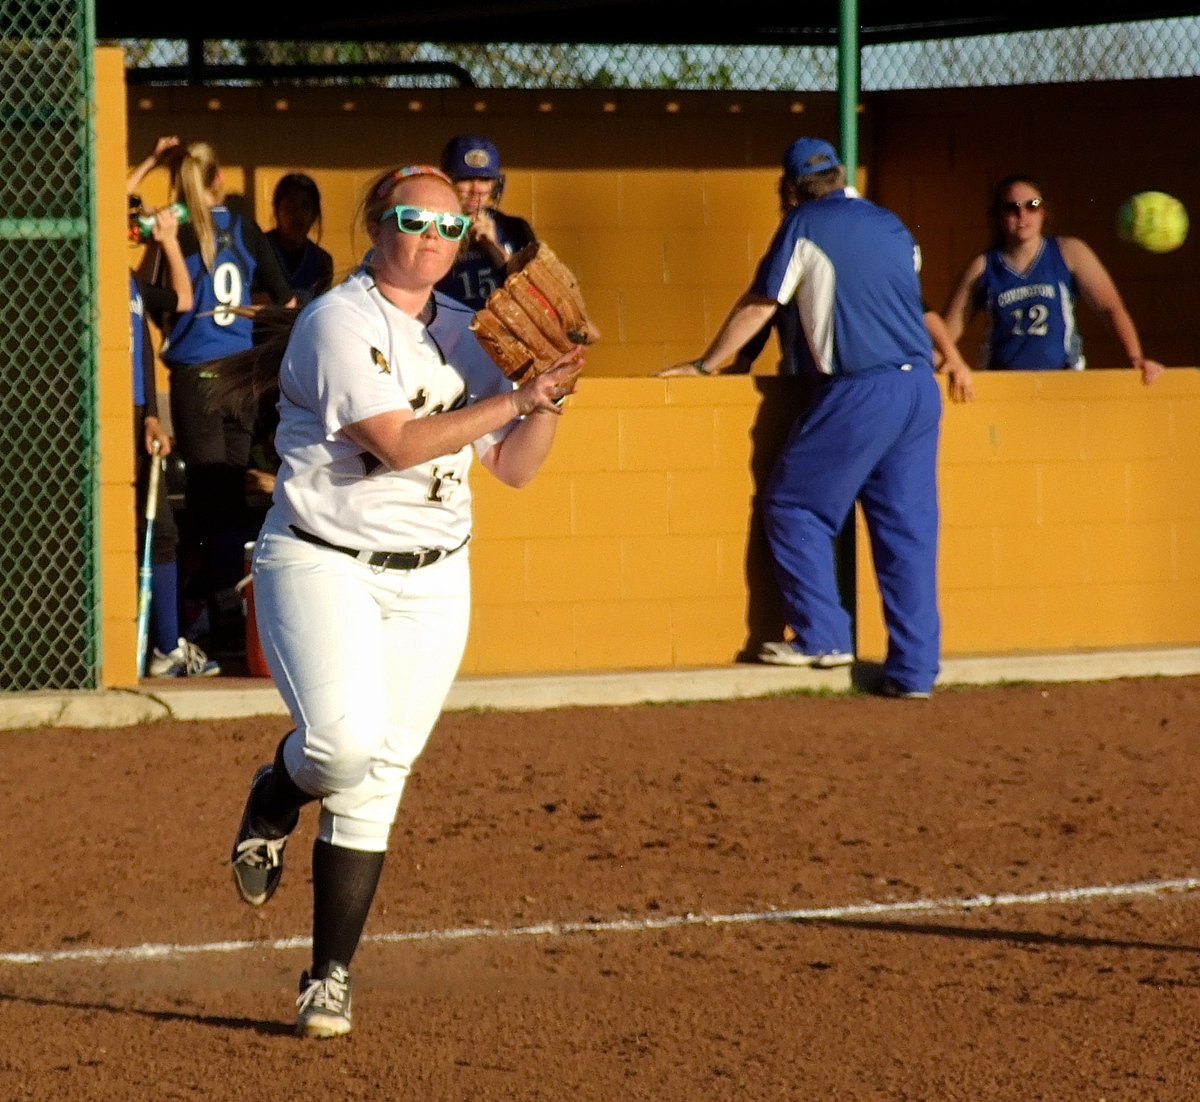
x: 471, y: 158
x: 808, y: 156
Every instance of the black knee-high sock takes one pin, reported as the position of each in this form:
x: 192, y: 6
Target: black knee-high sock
x: 277, y: 806
x: 344, y: 883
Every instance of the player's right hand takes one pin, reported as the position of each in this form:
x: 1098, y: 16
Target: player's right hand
x: 960, y: 384
x: 545, y: 393
x: 156, y: 440
x: 164, y: 145
x: 166, y: 224
x: 483, y: 228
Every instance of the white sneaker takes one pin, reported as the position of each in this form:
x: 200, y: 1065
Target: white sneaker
x: 788, y: 654
x: 186, y: 660
x: 325, y: 1004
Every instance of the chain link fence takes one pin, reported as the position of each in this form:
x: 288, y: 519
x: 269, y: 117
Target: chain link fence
x: 1137, y: 50
x: 48, y: 485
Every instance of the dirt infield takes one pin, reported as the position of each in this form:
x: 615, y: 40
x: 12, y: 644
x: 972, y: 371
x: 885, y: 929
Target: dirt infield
x: 531, y: 941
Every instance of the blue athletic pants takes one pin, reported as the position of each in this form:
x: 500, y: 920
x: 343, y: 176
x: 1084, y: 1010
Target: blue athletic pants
x: 873, y: 438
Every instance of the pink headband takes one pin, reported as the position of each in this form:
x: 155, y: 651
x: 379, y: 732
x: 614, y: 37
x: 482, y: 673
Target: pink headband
x: 392, y: 178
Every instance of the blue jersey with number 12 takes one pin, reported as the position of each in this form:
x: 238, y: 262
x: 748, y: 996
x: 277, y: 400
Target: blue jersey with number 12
x: 1031, y: 314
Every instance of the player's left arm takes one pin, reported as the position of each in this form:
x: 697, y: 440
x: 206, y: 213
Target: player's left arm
x: 162, y: 147
x: 486, y: 231
x: 483, y: 233
x: 1100, y: 290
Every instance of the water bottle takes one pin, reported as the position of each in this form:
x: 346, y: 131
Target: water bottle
x: 141, y: 226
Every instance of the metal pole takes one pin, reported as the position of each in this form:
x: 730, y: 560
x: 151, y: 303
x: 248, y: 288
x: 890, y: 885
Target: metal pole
x: 848, y: 70
x: 845, y: 548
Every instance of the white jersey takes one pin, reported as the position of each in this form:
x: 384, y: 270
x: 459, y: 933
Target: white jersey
x: 353, y: 355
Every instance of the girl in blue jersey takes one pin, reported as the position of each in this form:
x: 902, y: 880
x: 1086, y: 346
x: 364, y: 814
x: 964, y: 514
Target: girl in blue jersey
x: 229, y: 260
x: 1027, y: 284
x: 297, y: 206
x: 473, y: 163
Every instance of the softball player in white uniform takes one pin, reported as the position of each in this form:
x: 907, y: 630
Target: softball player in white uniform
x: 361, y: 571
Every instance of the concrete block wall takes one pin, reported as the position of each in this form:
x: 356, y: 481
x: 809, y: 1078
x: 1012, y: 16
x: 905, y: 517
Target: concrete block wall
x: 1070, y: 517
x: 1069, y: 522
x: 636, y: 545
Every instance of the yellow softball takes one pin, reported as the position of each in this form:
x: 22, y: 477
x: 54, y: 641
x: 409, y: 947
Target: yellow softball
x: 1156, y: 221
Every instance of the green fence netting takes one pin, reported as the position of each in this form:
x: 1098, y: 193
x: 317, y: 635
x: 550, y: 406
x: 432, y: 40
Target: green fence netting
x: 48, y: 492
x: 1137, y: 50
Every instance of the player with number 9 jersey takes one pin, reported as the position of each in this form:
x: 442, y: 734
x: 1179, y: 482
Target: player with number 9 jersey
x: 228, y: 259
x: 243, y: 262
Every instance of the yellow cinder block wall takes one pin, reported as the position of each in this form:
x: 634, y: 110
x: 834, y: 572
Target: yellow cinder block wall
x: 1069, y: 521
x: 637, y: 547
x: 1070, y: 517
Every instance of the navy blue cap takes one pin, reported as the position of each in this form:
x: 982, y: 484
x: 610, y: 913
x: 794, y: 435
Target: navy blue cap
x: 471, y: 158
x: 808, y: 156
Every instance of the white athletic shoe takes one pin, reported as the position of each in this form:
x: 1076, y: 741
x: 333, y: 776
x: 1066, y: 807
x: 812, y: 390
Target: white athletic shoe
x: 324, y: 1004
x: 186, y: 660
x: 788, y: 654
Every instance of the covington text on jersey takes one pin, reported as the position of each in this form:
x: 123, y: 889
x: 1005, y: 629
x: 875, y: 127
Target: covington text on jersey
x: 1017, y: 294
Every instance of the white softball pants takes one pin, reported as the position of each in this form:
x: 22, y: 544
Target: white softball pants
x: 364, y: 659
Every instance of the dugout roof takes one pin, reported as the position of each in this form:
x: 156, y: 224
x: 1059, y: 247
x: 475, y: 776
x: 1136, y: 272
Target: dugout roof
x: 685, y: 22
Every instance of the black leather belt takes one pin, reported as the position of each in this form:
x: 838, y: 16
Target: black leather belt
x: 383, y: 560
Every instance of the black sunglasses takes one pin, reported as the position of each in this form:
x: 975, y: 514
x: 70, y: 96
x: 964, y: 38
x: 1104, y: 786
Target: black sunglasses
x: 1015, y: 206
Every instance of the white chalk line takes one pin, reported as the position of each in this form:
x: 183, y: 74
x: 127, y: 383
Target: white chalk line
x: 631, y: 925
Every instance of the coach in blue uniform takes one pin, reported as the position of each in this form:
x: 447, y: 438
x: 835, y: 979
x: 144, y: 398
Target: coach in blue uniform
x: 849, y: 270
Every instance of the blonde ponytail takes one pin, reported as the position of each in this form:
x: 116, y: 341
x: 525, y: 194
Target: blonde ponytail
x: 195, y: 177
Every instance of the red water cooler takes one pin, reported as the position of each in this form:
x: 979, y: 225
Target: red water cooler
x: 256, y: 664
